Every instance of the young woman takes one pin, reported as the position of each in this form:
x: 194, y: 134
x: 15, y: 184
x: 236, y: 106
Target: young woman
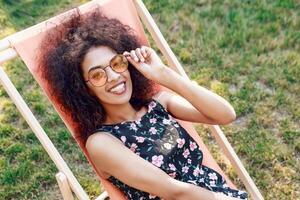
x: 100, y: 73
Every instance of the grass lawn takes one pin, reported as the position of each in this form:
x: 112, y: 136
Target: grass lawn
x: 244, y: 50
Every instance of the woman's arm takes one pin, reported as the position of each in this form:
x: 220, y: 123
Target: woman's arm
x: 182, y: 109
x: 203, y: 104
x: 193, y: 192
x: 109, y: 155
x: 211, y: 107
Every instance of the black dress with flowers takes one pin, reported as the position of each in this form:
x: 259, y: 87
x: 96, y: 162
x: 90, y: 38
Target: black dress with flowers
x: 158, y: 138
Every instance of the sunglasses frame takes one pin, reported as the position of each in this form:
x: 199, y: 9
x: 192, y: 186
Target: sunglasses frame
x: 103, y: 68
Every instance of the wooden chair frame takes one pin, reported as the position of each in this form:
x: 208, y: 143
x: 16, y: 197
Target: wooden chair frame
x: 66, y: 180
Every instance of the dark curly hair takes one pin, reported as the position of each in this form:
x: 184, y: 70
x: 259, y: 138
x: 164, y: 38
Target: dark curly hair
x: 60, y: 58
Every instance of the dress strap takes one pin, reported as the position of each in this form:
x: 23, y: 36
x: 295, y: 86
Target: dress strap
x: 104, y: 128
x: 158, y: 105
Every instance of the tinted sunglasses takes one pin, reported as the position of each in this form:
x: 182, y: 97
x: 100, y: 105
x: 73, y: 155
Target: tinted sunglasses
x: 97, y: 75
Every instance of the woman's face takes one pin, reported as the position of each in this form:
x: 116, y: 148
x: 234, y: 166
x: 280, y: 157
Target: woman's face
x: 118, y: 87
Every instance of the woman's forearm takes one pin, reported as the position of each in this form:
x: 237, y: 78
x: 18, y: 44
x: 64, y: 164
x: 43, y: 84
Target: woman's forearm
x: 208, y: 103
x: 193, y: 192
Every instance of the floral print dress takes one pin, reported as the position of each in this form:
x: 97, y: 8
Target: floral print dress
x: 158, y: 138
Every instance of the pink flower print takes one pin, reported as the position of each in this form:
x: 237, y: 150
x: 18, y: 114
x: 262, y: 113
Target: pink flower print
x: 193, y: 145
x: 166, y: 121
x: 140, y: 139
x: 189, y: 161
x: 157, y: 160
x: 133, y: 126
x: 152, y: 130
x: 212, y: 183
x: 173, y: 174
x: 185, y: 169
x: 133, y: 147
x: 213, y: 176
x: 167, y: 146
x: 186, y: 153
x: 196, y: 171
x: 172, y: 167
x: 138, y: 121
x: 151, y: 106
x: 180, y: 142
x: 123, y: 138
x: 152, y: 120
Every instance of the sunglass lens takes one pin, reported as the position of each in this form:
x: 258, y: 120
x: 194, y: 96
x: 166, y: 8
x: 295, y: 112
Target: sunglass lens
x: 97, y: 77
x: 119, y: 63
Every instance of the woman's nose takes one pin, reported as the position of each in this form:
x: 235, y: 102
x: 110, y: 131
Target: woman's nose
x: 112, y: 75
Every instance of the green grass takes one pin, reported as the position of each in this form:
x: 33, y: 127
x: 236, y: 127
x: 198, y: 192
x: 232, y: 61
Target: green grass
x: 244, y: 50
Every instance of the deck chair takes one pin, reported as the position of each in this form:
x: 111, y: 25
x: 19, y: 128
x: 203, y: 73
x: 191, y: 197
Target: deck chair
x: 25, y: 44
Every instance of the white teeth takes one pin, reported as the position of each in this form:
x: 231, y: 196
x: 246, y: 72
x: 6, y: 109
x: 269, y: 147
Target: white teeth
x: 118, y: 89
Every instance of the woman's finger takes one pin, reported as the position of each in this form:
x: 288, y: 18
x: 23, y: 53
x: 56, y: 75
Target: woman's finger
x: 143, y: 50
x: 126, y: 53
x: 129, y: 58
x: 139, y: 54
x: 134, y: 56
x: 148, y: 51
x: 137, y: 65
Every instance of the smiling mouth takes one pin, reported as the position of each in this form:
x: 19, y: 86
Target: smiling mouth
x: 119, y: 88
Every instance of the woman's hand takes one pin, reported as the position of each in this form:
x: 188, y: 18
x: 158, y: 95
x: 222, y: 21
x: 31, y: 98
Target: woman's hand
x: 147, y: 62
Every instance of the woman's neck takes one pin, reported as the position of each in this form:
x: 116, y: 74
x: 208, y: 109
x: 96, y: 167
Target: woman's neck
x: 119, y: 113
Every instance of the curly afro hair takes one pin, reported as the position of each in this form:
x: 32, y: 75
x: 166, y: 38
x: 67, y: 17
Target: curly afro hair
x: 60, y: 58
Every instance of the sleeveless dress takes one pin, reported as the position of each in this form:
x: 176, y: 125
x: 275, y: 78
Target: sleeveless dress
x: 158, y: 138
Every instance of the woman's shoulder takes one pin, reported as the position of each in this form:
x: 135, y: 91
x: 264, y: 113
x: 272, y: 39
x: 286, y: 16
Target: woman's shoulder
x: 98, y: 136
x: 99, y: 146
x: 163, y: 97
